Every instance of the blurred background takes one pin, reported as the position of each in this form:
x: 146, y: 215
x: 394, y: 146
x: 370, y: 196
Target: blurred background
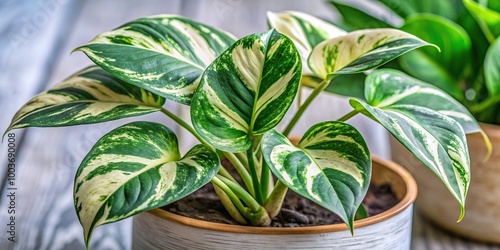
x: 37, y: 37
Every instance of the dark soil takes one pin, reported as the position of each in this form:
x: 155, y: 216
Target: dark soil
x: 297, y: 211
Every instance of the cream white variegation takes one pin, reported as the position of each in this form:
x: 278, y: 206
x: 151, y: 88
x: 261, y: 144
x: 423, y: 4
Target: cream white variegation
x: 359, y: 51
x: 90, y: 96
x: 164, y: 54
x: 429, y: 122
x: 134, y: 168
x: 246, y: 91
x: 304, y: 30
x: 331, y: 166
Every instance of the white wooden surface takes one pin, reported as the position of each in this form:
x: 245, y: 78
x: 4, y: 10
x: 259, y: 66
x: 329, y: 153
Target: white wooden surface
x: 35, y: 43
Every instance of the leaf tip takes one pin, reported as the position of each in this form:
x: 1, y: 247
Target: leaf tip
x: 462, y: 213
x: 489, y: 147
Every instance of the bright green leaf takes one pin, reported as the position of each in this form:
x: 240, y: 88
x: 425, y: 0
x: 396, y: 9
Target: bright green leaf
x: 90, y: 96
x: 331, y: 166
x: 492, y: 68
x: 488, y: 19
x: 427, y: 121
x: 164, y: 54
x: 360, y: 50
x: 357, y: 19
x: 246, y: 91
x: 443, y: 69
x: 304, y: 30
x: 134, y: 168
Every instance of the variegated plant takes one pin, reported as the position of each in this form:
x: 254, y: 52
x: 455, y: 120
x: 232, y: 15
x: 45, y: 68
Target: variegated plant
x: 238, y: 92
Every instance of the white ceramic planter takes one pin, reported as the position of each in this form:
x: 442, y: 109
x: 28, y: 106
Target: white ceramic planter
x: 391, y: 229
x: 482, y: 207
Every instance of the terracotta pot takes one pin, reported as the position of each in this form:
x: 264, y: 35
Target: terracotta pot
x: 391, y: 229
x: 481, y: 221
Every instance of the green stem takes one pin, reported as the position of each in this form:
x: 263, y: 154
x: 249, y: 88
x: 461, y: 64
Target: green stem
x: 488, y: 102
x: 184, y: 125
x: 348, y: 116
x: 238, y: 190
x: 223, y: 171
x: 242, y: 171
x: 304, y: 106
x: 216, y: 180
x: 275, y: 200
x: 228, y: 203
x: 265, y: 180
x: 255, y: 178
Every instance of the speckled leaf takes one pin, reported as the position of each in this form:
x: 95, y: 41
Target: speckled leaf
x: 492, y: 68
x: 331, y: 166
x: 304, y: 30
x: 134, y: 168
x: 90, y: 96
x: 360, y: 50
x: 246, y: 91
x: 427, y: 121
x: 164, y: 54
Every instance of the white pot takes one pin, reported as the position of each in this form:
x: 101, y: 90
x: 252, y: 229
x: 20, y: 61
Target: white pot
x: 391, y: 229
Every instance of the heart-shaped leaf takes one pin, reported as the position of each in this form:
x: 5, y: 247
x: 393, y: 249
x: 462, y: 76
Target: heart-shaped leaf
x: 304, y: 30
x: 246, y: 91
x: 331, y: 166
x: 492, y: 68
x: 134, y: 168
x: 360, y: 50
x: 90, y: 96
x: 427, y: 121
x: 430, y: 65
x: 488, y: 19
x: 164, y: 54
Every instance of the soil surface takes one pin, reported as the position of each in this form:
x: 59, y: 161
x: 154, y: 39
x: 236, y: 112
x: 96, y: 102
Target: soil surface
x: 297, y: 211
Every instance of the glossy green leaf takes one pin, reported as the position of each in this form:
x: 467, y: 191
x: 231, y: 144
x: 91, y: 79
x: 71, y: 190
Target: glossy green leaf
x: 403, y: 9
x: 164, y: 54
x: 356, y: 18
x: 90, y: 96
x: 331, y: 166
x: 304, y: 30
x: 430, y: 123
x: 492, y: 68
x: 134, y: 168
x: 246, y: 91
x: 360, y: 50
x: 488, y: 19
x: 433, y: 66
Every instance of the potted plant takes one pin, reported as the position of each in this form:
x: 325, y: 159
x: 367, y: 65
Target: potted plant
x: 467, y: 32
x: 238, y: 91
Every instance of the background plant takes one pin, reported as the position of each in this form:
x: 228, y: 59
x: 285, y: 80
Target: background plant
x: 468, y: 66
x: 238, y: 92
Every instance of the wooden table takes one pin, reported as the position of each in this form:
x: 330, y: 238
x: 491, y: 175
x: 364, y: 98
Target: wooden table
x: 36, y: 40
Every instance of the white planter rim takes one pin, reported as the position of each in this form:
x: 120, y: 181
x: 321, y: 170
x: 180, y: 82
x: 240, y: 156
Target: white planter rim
x: 407, y: 199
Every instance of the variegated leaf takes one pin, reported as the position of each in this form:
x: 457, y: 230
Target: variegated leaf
x: 304, y: 30
x: 331, y: 166
x: 90, y: 96
x: 427, y: 121
x: 360, y: 50
x: 164, y: 54
x: 134, y: 168
x: 246, y: 91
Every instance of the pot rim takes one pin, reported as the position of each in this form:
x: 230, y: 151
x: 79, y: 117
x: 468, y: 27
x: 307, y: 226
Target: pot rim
x: 406, y: 201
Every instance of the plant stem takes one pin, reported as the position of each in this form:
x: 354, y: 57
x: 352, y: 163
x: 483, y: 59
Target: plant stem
x: 241, y: 193
x: 228, y: 204
x: 216, y: 180
x: 265, y: 180
x: 275, y: 200
x: 242, y: 171
x: 255, y: 178
x: 305, y: 105
x: 184, y: 125
x: 223, y: 171
x: 488, y: 102
x: 348, y: 116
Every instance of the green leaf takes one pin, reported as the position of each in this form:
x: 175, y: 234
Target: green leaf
x: 90, y: 96
x: 488, y: 19
x: 357, y: 19
x: 304, y: 30
x: 492, y: 68
x: 331, y: 166
x: 361, y: 213
x: 134, y: 168
x: 403, y: 9
x: 443, y: 69
x: 352, y: 85
x: 360, y: 50
x: 246, y: 91
x: 164, y: 54
x: 427, y: 121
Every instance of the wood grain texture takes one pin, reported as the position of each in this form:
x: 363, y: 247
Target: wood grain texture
x: 36, y: 54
